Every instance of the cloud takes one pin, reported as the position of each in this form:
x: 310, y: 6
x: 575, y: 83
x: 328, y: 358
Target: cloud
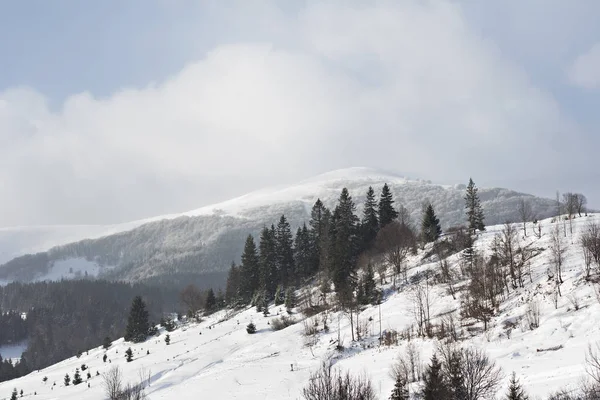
x: 405, y: 86
x: 585, y: 70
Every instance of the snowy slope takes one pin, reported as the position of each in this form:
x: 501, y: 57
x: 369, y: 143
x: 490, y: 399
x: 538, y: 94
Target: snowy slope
x: 224, y: 362
x: 209, y: 238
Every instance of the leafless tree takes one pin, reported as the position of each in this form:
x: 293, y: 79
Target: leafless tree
x: 588, y: 258
x: 408, y: 366
x: 330, y: 384
x: 421, y: 302
x: 481, y: 375
x: 557, y: 248
x: 592, y: 361
x: 526, y: 213
x: 532, y: 315
x: 113, y: 383
x: 403, y: 215
x: 581, y: 204
x: 507, y: 242
x: 571, y: 204
x: 590, y: 241
x: 191, y: 297
x: 395, y: 241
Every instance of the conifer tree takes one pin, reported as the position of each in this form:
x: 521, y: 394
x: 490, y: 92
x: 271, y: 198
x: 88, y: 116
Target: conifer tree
x: 515, y: 391
x: 268, y: 261
x: 168, y: 339
x: 129, y: 355
x: 400, y: 391
x: 284, y: 251
x: 370, y: 221
x: 14, y: 394
x: 303, y: 255
x: 232, y: 288
x: 430, y: 226
x: 387, y: 212
x: 211, y: 300
x: 249, y: 271
x: 435, y: 387
x: 279, y: 296
x: 251, y: 328
x: 265, y: 305
x: 106, y: 343
x: 67, y: 380
x: 137, y: 323
x: 369, y: 285
x: 77, y: 377
x: 475, y: 217
x: 456, y: 380
x: 290, y: 298
x: 319, y: 228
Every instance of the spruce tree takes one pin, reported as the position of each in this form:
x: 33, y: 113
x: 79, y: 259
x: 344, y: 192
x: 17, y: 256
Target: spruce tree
x: 387, y: 212
x: 14, y: 394
x: 211, y: 301
x: 268, y: 261
x: 319, y: 229
x: 137, y: 323
x: 249, y: 270
x: 303, y: 255
x: 370, y: 221
x: 232, y: 288
x: 400, y: 391
x: 106, y: 343
x: 290, y: 299
x: 284, y: 251
x: 475, y: 217
x: 77, y: 377
x: 168, y: 339
x: 251, y: 328
x: 456, y: 380
x: 435, y: 387
x: 515, y: 391
x: 279, y: 296
x: 67, y: 380
x: 129, y: 355
x: 369, y: 285
x: 430, y: 226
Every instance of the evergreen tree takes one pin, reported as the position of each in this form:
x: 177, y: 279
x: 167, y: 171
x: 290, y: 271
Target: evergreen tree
x: 387, y: 212
x: 475, y: 215
x: 303, y: 255
x: 430, y: 226
x: 129, y: 355
x: 251, y: 328
x: 515, y: 391
x: 344, y: 247
x: 232, y: 289
x: 284, y: 251
x: 104, y: 357
x: 211, y: 300
x: 268, y: 261
x: 106, y: 343
x: 370, y: 221
x: 168, y: 339
x: 14, y: 394
x: 67, y: 380
x: 319, y: 229
x: 265, y: 305
x: 369, y: 287
x: 434, y: 386
x: 279, y: 296
x: 249, y: 270
x: 456, y: 380
x: 290, y: 298
x: 137, y: 323
x: 77, y: 377
x: 400, y: 391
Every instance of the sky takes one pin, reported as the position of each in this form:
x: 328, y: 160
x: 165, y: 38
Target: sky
x: 113, y: 111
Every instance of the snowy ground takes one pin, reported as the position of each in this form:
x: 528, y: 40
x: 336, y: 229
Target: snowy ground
x: 218, y: 359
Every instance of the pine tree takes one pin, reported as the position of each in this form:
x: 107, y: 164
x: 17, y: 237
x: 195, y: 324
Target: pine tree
x: 129, y: 355
x: 290, y: 298
x: 14, y: 394
x: 279, y: 296
x: 430, y: 226
x: 400, y: 391
x: 387, y: 212
x: 106, y: 343
x: 434, y: 386
x: 268, y: 261
x: 303, y: 257
x: 319, y: 229
x: 370, y: 221
x: 475, y: 215
x: 284, y: 251
x: 249, y: 270
x: 168, y: 339
x: 104, y: 357
x: 369, y: 286
x: 232, y: 288
x: 265, y: 305
x: 211, y: 301
x: 251, y: 328
x: 515, y: 391
x: 137, y: 323
x: 77, y: 377
x: 456, y: 380
x: 67, y: 380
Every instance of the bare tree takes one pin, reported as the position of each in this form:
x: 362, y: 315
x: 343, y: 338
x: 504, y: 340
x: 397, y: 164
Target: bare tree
x: 592, y: 361
x: 408, y: 366
x: 191, y: 297
x: 330, y: 384
x: 590, y: 241
x: 507, y: 244
x: 571, y: 203
x: 588, y: 257
x: 395, y: 241
x: 481, y: 375
x: 113, y: 383
x: 532, y: 315
x: 526, y: 213
x: 403, y: 215
x: 581, y: 204
x: 421, y: 302
x: 557, y: 248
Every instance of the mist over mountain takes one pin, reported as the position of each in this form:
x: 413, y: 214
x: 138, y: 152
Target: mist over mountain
x: 208, y: 239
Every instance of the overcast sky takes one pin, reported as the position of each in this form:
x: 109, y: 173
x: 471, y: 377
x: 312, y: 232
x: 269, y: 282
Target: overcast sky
x: 117, y: 110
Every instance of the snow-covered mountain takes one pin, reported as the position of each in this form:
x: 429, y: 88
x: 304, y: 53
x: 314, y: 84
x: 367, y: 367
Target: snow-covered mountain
x: 211, y: 237
x: 218, y: 359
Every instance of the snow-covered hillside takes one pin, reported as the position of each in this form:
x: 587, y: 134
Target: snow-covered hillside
x: 218, y: 359
x: 209, y: 238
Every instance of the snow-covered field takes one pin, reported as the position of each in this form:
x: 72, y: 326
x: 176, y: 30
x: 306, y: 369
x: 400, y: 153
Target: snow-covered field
x: 218, y: 359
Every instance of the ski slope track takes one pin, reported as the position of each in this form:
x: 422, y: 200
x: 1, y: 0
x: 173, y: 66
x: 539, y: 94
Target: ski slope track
x: 217, y: 359
x: 209, y: 238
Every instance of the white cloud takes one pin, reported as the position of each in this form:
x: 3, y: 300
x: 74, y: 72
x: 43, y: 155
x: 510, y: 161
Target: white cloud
x: 405, y: 86
x: 585, y: 70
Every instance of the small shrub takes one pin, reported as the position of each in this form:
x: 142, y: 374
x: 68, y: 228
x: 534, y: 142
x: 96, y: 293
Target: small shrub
x: 251, y: 328
x: 282, y: 322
